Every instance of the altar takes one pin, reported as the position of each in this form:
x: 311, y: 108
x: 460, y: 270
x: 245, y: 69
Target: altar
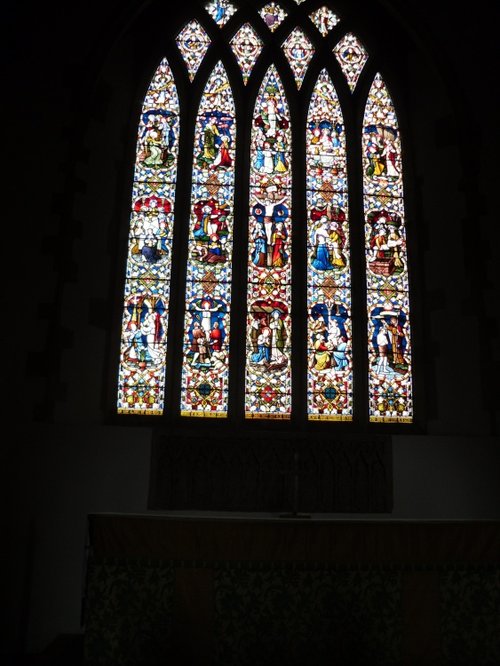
x: 166, y: 589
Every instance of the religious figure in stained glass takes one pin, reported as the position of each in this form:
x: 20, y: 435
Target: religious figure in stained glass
x: 273, y: 15
x: 157, y: 138
x: 299, y: 52
x: 221, y: 11
x: 246, y: 45
x: 386, y: 243
x: 324, y: 19
x: 351, y: 56
x: 269, y: 236
x: 214, y: 141
x: 210, y: 231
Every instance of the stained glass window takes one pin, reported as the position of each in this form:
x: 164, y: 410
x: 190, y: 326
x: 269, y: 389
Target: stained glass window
x: 299, y: 51
x: 272, y: 15
x: 268, y: 370
x: 324, y: 19
x: 244, y: 191
x: 221, y: 11
x: 388, y: 303
x: 352, y: 57
x: 141, y: 382
x: 209, y: 275
x: 193, y: 43
x: 330, y: 375
x: 246, y: 45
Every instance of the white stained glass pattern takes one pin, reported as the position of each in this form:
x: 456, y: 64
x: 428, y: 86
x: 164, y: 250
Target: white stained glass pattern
x: 352, y: 57
x: 246, y: 45
x: 141, y: 380
x: 299, y: 52
x: 205, y: 369
x: 268, y: 363
x: 193, y: 42
x: 388, y: 306
x: 221, y: 11
x: 324, y: 19
x: 272, y: 15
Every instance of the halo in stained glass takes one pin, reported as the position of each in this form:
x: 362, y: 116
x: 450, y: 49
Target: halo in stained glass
x: 299, y: 52
x: 272, y: 15
x: 388, y: 302
x: 351, y: 56
x: 193, y: 42
x: 246, y: 45
x: 324, y: 19
x: 221, y: 11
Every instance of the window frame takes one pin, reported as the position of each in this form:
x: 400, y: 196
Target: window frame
x: 353, y: 104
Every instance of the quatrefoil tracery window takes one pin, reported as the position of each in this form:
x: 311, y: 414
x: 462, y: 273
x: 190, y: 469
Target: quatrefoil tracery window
x: 330, y: 363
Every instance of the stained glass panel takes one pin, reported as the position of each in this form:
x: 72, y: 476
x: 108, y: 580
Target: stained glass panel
x: 209, y: 274
x: 329, y: 379
x: 221, y: 11
x: 352, y: 57
x: 268, y: 371
x: 389, y: 335
x: 272, y: 15
x: 324, y: 19
x: 246, y: 45
x: 299, y: 52
x: 193, y: 43
x: 141, y: 382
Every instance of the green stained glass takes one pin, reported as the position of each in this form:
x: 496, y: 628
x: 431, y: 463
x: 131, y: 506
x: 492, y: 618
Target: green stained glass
x: 388, y: 306
x: 205, y: 368
x: 352, y: 57
x: 272, y: 15
x: 324, y: 19
x: 221, y: 11
x: 246, y: 45
x: 329, y: 351
x: 299, y: 52
x: 193, y: 43
x: 268, y: 363
x: 141, y: 382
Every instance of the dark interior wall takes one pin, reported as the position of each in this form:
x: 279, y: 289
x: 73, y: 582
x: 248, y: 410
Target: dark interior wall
x: 74, y: 75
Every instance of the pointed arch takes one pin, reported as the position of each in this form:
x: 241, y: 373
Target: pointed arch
x: 268, y: 368
x: 141, y: 377
x: 388, y: 301
x: 204, y: 390
x: 329, y: 330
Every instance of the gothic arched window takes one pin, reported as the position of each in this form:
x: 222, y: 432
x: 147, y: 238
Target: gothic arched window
x: 292, y: 296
